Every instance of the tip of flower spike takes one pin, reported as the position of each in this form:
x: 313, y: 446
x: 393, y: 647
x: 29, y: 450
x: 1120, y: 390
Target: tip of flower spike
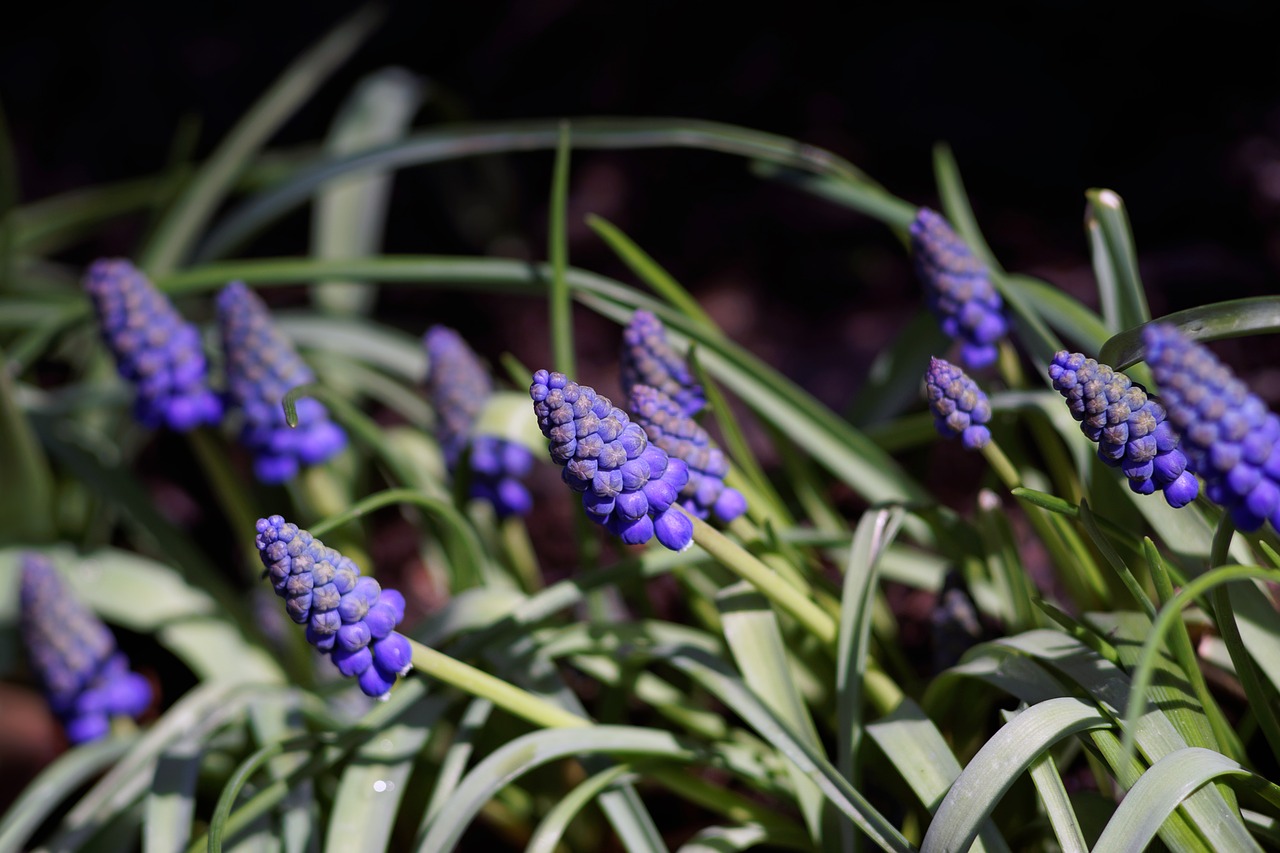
x: 155, y: 350
x: 347, y: 616
x: 960, y: 408
x: 648, y: 358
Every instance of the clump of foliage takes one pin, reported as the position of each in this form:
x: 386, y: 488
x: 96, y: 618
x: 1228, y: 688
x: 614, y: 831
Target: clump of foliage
x: 1106, y: 659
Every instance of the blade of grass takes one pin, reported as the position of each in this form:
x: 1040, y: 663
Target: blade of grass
x: 1115, y: 261
x: 1231, y: 319
x: 178, y: 231
x: 26, y: 500
x: 955, y: 202
x: 559, y: 296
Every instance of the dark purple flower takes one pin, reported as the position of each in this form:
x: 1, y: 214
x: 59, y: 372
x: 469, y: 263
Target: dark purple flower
x: 628, y: 485
x: 1228, y: 435
x: 1130, y: 428
x: 960, y: 409
x: 86, y: 679
x: 649, y: 359
x: 458, y: 387
x: 958, y: 289
x: 668, y: 427
x: 348, y: 616
x: 155, y: 349
x: 262, y: 366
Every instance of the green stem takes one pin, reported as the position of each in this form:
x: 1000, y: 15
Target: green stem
x: 560, y: 297
x: 738, y: 560
x: 501, y: 693
x: 230, y: 492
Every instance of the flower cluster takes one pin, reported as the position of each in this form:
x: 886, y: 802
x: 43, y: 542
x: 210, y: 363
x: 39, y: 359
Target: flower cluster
x: 458, y: 386
x: 959, y: 407
x: 349, y: 617
x: 1129, y: 428
x: 262, y: 366
x: 958, y: 289
x: 679, y: 435
x: 628, y: 485
x: 648, y: 359
x: 1229, y: 437
x: 155, y: 350
x: 86, y: 679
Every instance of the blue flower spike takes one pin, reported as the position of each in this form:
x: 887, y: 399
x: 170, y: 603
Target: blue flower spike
x: 1229, y: 437
x: 960, y: 409
x: 667, y: 426
x: 458, y: 387
x: 155, y: 349
x: 648, y: 358
x: 958, y: 289
x: 628, y: 485
x: 1130, y: 429
x: 85, y: 677
x: 262, y: 366
x: 348, y: 616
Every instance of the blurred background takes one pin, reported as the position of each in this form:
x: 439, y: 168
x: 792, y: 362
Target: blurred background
x: 1181, y: 117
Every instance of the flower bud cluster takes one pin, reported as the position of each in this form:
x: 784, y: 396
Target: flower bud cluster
x: 958, y: 290
x: 458, y: 386
x: 960, y: 409
x: 1129, y: 428
x: 349, y: 617
x: 155, y: 350
x: 681, y: 437
x: 627, y: 484
x: 647, y: 358
x: 1229, y: 436
x: 73, y: 654
x: 262, y: 366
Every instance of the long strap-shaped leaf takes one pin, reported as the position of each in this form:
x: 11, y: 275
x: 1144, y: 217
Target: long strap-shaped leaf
x: 998, y: 764
x: 1162, y: 788
x: 523, y: 754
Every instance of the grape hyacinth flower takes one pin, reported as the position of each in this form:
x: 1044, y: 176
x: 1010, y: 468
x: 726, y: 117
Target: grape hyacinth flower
x: 85, y: 677
x: 348, y: 617
x: 458, y: 386
x: 1130, y: 429
x: 681, y: 437
x: 628, y: 485
x: 1229, y: 437
x: 958, y: 289
x: 648, y: 359
x: 262, y: 366
x: 959, y: 407
x: 155, y: 349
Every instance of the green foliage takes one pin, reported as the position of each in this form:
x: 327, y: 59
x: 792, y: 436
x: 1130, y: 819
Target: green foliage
x: 771, y: 701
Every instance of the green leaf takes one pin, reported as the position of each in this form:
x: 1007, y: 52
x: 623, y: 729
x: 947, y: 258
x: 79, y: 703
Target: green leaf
x: 26, y: 500
x: 349, y: 214
x: 547, y: 837
x: 1115, y: 261
x: 920, y: 754
x: 375, y: 344
x: 1013, y: 749
x: 1057, y: 803
x: 66, y: 775
x: 374, y: 783
x: 1061, y: 311
x: 523, y: 754
x: 892, y: 385
x: 171, y: 804
x: 1162, y: 788
x: 459, y: 141
x: 1232, y: 319
x: 180, y: 227
x: 955, y: 203
x: 559, y: 297
x: 752, y: 632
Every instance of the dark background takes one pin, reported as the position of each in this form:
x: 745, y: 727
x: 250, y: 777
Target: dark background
x: 1039, y: 101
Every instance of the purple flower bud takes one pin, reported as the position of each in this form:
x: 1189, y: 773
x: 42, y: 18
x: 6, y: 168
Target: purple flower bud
x: 959, y: 407
x: 155, y: 350
x: 1229, y: 437
x: 262, y: 366
x: 361, y: 617
x: 1129, y: 427
x: 682, y: 438
x: 958, y: 289
x: 458, y: 387
x: 73, y: 654
x: 634, y: 481
x: 648, y: 359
